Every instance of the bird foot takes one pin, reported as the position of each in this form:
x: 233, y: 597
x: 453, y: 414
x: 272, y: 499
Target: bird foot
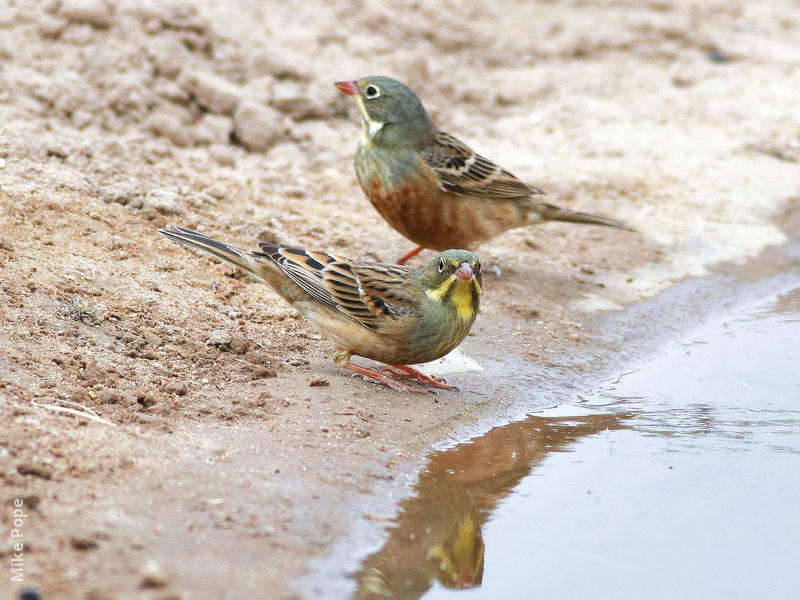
x: 387, y: 379
x: 409, y: 255
x: 406, y: 372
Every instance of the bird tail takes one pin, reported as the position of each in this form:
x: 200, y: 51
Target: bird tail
x: 241, y: 258
x: 549, y: 212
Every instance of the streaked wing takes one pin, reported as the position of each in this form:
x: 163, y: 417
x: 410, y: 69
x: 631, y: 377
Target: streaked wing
x: 365, y: 292
x: 462, y: 171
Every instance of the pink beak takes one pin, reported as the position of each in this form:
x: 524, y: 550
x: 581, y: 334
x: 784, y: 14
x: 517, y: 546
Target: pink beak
x: 464, y: 272
x: 347, y: 87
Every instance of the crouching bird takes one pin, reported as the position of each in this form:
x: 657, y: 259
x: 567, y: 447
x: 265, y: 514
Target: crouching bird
x: 431, y: 187
x: 392, y: 314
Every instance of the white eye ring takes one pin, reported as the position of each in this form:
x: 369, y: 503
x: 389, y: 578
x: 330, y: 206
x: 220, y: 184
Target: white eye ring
x: 371, y: 92
x: 441, y: 265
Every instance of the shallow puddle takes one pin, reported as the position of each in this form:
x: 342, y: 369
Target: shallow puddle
x: 681, y: 479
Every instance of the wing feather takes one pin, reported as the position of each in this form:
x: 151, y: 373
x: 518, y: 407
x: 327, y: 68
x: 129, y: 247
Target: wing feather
x: 463, y: 171
x: 368, y: 293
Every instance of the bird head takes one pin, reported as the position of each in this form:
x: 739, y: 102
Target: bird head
x: 390, y: 111
x: 457, y: 560
x: 453, y: 279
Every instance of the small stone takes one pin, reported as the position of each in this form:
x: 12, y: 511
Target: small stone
x: 259, y: 127
x: 29, y: 593
x: 58, y: 151
x: 212, y: 129
x: 217, y: 191
x: 35, y: 470
x: 163, y: 201
x: 151, y: 339
x: 264, y: 373
x: 178, y: 97
x: 211, y: 91
x: 83, y: 543
x: 128, y: 399
x: 220, y: 339
x: 128, y: 96
x: 159, y: 408
x: 168, y: 126
x: 79, y: 34
x: 223, y: 155
x: 277, y: 62
x: 31, y: 501
x: 153, y: 576
x: 146, y: 401
x: 50, y: 26
x: 318, y: 382
x: 296, y: 100
x: 198, y: 199
x: 176, y: 387
x: 167, y: 55
x: 94, y: 12
x: 108, y: 396
x: 180, y: 15
x: 239, y: 344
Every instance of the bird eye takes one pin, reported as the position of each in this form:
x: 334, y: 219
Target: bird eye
x: 441, y: 265
x: 372, y: 92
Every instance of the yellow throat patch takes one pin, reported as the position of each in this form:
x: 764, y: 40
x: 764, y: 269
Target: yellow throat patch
x: 461, y: 296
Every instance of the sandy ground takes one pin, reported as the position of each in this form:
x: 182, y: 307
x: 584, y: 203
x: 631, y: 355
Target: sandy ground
x: 231, y: 449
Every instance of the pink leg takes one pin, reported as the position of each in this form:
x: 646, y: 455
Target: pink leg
x: 410, y: 254
x: 385, y: 379
x: 411, y: 373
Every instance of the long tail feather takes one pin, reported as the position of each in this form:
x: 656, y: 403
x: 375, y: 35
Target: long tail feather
x: 242, y: 259
x: 548, y: 212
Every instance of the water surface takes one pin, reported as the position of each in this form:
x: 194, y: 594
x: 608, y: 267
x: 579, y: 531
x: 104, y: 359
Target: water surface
x: 680, y: 479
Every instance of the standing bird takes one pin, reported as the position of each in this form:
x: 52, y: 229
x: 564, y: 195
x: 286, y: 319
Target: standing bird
x: 392, y: 314
x: 430, y: 186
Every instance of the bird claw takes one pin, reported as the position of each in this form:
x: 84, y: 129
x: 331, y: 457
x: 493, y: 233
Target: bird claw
x: 406, y: 372
x: 391, y: 374
x: 386, y: 377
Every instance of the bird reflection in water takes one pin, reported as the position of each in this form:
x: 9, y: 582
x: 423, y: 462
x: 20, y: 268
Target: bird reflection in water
x: 437, y: 533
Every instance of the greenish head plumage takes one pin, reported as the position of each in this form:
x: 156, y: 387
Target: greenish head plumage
x: 453, y: 281
x: 392, y: 113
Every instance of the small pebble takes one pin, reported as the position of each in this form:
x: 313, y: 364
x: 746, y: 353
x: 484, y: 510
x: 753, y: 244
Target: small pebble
x: 153, y: 576
x: 211, y: 91
x: 264, y: 373
x: 30, y: 593
x: 94, y: 12
x: 258, y: 127
x: 83, y: 543
x: 108, y: 396
x: 176, y: 387
x: 35, y: 470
